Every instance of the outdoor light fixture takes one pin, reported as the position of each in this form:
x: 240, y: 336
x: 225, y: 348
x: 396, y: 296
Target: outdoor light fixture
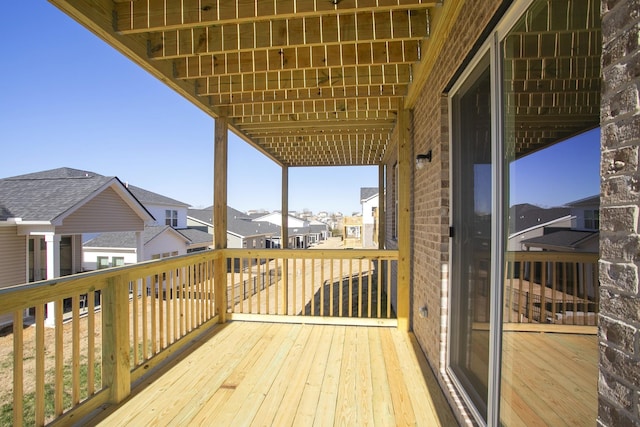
x: 423, y: 159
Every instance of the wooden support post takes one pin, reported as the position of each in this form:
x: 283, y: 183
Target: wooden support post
x: 285, y: 237
x: 381, y: 207
x: 220, y: 215
x: 404, y: 220
x: 116, y: 369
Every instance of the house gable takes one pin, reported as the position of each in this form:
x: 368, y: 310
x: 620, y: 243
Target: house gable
x: 105, y: 212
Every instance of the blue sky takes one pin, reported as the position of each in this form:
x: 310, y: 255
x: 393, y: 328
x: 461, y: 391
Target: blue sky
x: 562, y: 173
x: 69, y: 99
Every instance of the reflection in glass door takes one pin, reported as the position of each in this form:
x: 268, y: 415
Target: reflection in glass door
x: 471, y: 245
x: 551, y: 87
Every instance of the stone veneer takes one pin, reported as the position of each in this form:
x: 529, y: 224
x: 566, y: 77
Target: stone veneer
x: 619, y: 336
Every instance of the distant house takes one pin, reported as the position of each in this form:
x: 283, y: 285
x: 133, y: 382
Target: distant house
x: 242, y: 230
x: 369, y: 200
x: 43, y: 216
x: 581, y: 236
x: 531, y: 221
x: 159, y: 241
x: 166, y: 210
x: 299, y: 229
x: 167, y: 236
x: 318, y: 231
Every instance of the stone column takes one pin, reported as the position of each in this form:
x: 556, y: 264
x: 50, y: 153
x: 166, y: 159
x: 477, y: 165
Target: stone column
x: 619, y: 328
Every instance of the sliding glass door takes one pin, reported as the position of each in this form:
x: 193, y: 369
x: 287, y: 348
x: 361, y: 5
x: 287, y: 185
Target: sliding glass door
x: 471, y: 226
x: 524, y: 217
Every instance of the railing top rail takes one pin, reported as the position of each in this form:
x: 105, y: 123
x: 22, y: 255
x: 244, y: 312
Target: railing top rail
x: 312, y: 253
x: 552, y: 256
x: 27, y: 295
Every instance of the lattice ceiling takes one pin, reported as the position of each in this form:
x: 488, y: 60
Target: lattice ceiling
x: 308, y: 82
x: 320, y: 82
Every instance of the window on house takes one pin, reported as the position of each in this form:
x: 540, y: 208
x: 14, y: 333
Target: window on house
x: 117, y: 261
x: 171, y: 217
x: 102, y: 262
x: 155, y: 256
x: 592, y: 219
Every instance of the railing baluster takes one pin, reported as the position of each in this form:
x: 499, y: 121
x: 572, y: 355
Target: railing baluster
x: 75, y: 357
x: 331, y: 283
x: 91, y: 342
x: 369, y: 284
x: 341, y: 300
x: 59, y: 364
x: 350, y: 288
x: 294, y: 287
x: 389, y: 267
x: 303, y: 298
x: 40, y: 399
x: 322, y: 287
x: 379, y: 289
x: 145, y: 317
x: 18, y: 368
x: 359, y: 293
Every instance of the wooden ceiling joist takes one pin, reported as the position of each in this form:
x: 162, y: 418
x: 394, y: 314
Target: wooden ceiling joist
x: 307, y: 82
x: 144, y: 16
x: 291, y: 33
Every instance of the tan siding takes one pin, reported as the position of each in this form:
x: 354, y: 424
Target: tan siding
x: 105, y: 212
x: 13, y: 252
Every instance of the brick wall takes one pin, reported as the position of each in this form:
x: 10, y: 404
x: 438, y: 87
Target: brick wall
x: 619, y: 382
x: 430, y: 195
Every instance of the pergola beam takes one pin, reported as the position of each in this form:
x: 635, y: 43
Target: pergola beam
x: 137, y: 16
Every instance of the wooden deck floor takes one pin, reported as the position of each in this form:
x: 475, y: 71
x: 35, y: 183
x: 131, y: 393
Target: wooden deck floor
x: 291, y: 374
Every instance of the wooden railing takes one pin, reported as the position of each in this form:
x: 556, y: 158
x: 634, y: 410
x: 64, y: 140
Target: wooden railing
x: 110, y: 327
x: 119, y: 324
x: 323, y: 284
x: 551, y: 288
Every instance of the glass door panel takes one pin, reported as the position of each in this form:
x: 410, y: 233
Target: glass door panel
x: 551, y: 96
x: 471, y: 245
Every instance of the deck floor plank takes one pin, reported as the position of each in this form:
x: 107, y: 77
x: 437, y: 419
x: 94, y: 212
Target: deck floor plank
x: 310, y: 395
x: 252, y: 373
x: 327, y: 400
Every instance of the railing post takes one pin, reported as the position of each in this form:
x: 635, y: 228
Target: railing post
x: 220, y: 216
x: 116, y: 370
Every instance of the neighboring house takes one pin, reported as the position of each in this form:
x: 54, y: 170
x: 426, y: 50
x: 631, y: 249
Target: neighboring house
x: 299, y: 229
x: 582, y: 234
x: 318, y: 231
x: 43, y: 216
x: 531, y: 221
x: 370, y: 201
x: 242, y: 230
x: 166, y: 210
x: 159, y: 241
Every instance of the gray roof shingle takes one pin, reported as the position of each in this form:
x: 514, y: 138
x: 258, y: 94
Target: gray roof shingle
x: 44, y: 196
x: 237, y: 222
x: 126, y: 239
x: 147, y: 197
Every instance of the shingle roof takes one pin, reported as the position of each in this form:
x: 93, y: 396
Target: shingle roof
x: 568, y: 239
x: 44, y: 196
x: 196, y: 236
x: 127, y: 239
x: 524, y: 216
x: 147, y: 197
x: 237, y: 222
x: 368, y: 192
